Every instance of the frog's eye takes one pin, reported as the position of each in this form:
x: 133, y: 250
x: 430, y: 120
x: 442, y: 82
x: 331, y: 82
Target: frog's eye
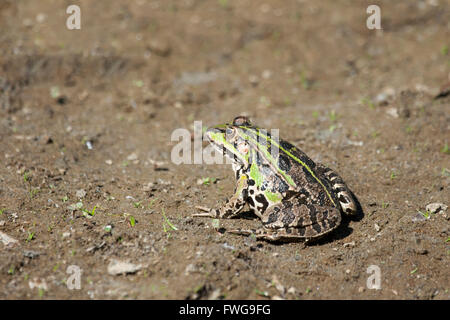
x: 241, y: 121
x: 229, y: 132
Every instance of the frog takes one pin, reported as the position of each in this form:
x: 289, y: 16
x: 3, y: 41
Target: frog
x: 294, y: 197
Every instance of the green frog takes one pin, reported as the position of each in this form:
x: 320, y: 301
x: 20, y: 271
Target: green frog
x: 294, y: 197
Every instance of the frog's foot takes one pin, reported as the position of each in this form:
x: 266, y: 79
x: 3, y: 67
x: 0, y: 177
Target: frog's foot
x: 288, y: 234
x: 208, y: 212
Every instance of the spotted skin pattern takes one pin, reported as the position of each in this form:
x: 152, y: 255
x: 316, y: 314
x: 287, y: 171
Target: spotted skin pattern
x: 294, y: 197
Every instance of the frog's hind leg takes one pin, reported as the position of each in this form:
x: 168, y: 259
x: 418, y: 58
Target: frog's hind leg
x: 291, y: 220
x: 344, y: 195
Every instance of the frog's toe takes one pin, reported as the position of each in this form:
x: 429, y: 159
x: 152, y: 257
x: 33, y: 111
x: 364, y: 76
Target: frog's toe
x: 260, y: 234
x: 211, y: 213
x: 242, y: 232
x: 204, y: 214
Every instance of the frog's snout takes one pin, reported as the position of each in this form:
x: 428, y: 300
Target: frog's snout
x: 214, y: 134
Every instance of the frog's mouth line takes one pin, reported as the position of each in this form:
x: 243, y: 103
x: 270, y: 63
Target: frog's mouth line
x: 216, y: 136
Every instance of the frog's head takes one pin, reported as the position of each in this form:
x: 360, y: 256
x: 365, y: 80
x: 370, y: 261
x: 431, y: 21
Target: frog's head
x: 230, y: 140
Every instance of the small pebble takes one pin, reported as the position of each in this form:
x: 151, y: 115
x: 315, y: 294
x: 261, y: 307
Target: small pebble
x: 80, y: 194
x: 117, y: 267
x: 436, y: 207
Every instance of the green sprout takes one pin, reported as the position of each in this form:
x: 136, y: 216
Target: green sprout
x: 152, y: 202
x: 91, y: 213
x: 138, y: 83
x: 11, y: 270
x: 445, y: 149
x: 261, y: 293
x: 332, y: 116
x: 414, y: 271
x: 132, y: 221
x: 445, y: 172
x: 207, y: 181
x: 393, y: 175
x: 223, y: 3
x: 30, y: 236
x: 315, y: 114
x: 168, y: 222
x: 137, y: 204
x: 26, y: 176
x: 426, y: 214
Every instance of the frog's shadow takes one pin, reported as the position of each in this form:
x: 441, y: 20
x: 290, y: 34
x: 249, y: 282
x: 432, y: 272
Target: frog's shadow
x: 340, y: 233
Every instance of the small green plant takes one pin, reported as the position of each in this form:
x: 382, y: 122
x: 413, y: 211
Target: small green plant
x: 91, y: 213
x: 368, y: 102
x: 426, y: 214
x: 408, y: 129
x: 152, y: 202
x: 332, y: 116
x: 54, y: 92
x: 308, y: 290
x: 445, y: 172
x: 65, y: 199
x: 315, y: 114
x: 375, y: 134
x: 448, y: 239
x: 30, y: 236
x: 138, y: 83
x: 33, y: 192
x: 332, y: 127
x: 444, y: 50
x: 207, y: 181
x: 393, y: 175
x: 445, y: 149
x: 216, y: 223
x: 1, y: 211
x: 11, y: 270
x: 132, y: 221
x: 414, y: 271
x: 168, y: 222
x: 137, y: 204
x: 41, y: 292
x: 384, y: 205
x: 223, y: 3
x: 261, y: 293
x: 26, y: 176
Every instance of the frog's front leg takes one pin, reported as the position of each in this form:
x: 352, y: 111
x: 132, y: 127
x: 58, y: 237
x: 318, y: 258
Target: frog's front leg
x: 234, y: 205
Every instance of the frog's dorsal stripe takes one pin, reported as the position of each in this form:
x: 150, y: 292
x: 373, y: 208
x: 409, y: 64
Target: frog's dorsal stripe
x: 270, y: 159
x: 274, y: 143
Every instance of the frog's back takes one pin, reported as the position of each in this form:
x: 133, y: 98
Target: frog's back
x: 306, y: 174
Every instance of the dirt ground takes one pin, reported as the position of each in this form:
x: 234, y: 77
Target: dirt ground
x: 86, y: 118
